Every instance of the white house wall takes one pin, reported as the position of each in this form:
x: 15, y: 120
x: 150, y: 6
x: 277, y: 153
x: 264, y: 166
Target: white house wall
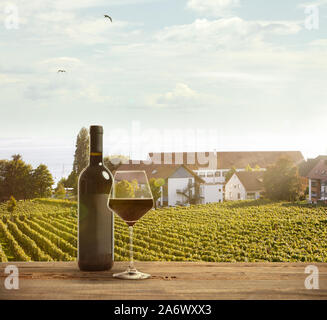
x: 211, y: 193
x: 234, y: 189
x: 173, y: 185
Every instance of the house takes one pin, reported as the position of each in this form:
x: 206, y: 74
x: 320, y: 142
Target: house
x: 213, y: 166
x: 318, y: 181
x: 182, y: 186
x: 244, y: 185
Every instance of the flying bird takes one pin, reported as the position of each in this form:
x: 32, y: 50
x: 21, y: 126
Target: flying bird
x: 106, y: 16
x: 61, y: 70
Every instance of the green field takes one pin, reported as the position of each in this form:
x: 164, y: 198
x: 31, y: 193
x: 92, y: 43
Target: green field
x: 250, y: 231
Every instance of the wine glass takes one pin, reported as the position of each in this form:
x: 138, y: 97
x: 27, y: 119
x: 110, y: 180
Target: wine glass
x: 131, y: 199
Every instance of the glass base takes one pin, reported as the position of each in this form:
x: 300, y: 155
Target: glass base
x: 132, y: 275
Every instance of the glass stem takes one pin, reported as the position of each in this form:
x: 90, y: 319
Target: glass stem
x: 131, y: 259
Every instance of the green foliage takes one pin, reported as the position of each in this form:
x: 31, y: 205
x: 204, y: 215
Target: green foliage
x: 155, y: 186
x: 124, y: 189
x: 72, y: 181
x: 3, y: 257
x: 282, y: 181
x: 81, y: 157
x: 29, y: 246
x: 11, y: 204
x: 60, y: 191
x: 42, y: 181
x: 20, y: 180
x: 43, y: 240
x: 257, y: 167
x: 58, y: 203
x: 252, y: 231
x: 3, y: 191
x: 16, y: 250
x: 17, y: 179
x: 57, y: 229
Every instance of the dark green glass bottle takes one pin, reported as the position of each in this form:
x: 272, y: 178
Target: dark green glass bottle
x: 95, y: 220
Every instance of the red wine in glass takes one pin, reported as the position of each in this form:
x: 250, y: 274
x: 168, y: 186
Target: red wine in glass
x: 131, y: 210
x: 131, y: 198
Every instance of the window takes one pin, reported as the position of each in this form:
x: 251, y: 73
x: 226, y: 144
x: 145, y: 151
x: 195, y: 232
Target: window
x: 217, y: 174
x: 210, y: 174
x: 238, y: 196
x: 202, y: 174
x: 313, y: 183
x: 235, y: 186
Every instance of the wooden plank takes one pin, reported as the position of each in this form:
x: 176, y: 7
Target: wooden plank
x: 169, y: 280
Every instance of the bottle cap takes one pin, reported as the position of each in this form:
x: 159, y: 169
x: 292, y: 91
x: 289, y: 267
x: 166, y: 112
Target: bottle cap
x: 96, y: 129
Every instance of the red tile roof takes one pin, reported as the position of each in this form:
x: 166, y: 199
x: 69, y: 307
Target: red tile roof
x: 163, y: 171
x: 319, y: 171
x: 251, y: 180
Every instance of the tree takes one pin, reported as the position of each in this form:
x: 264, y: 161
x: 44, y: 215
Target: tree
x: 11, y: 205
x: 60, y: 191
x: 42, y: 181
x: 257, y: 167
x: 155, y: 186
x: 17, y: 178
x: 282, y: 181
x: 71, y: 181
x: 62, y: 181
x: 124, y: 189
x: 136, y: 189
x: 81, y: 157
x: 3, y: 166
x: 230, y: 173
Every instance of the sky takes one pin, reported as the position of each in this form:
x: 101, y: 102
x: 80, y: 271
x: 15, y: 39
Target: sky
x: 165, y: 75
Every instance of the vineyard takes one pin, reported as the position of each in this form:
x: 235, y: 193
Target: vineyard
x: 250, y: 231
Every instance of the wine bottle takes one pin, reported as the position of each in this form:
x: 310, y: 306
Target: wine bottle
x: 95, y: 220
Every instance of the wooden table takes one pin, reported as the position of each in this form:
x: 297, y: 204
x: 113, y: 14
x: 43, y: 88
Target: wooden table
x: 170, y: 280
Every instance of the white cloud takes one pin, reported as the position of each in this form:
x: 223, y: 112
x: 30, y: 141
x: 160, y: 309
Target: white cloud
x: 7, y: 79
x: 322, y: 43
x: 93, y: 93
x: 218, y: 8
x: 230, y: 32
x: 64, y: 22
x: 181, y: 97
x: 233, y: 76
x: 54, y: 86
x: 318, y: 3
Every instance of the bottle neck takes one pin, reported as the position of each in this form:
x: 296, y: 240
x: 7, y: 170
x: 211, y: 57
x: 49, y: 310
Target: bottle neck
x: 96, y: 158
x: 96, y: 149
